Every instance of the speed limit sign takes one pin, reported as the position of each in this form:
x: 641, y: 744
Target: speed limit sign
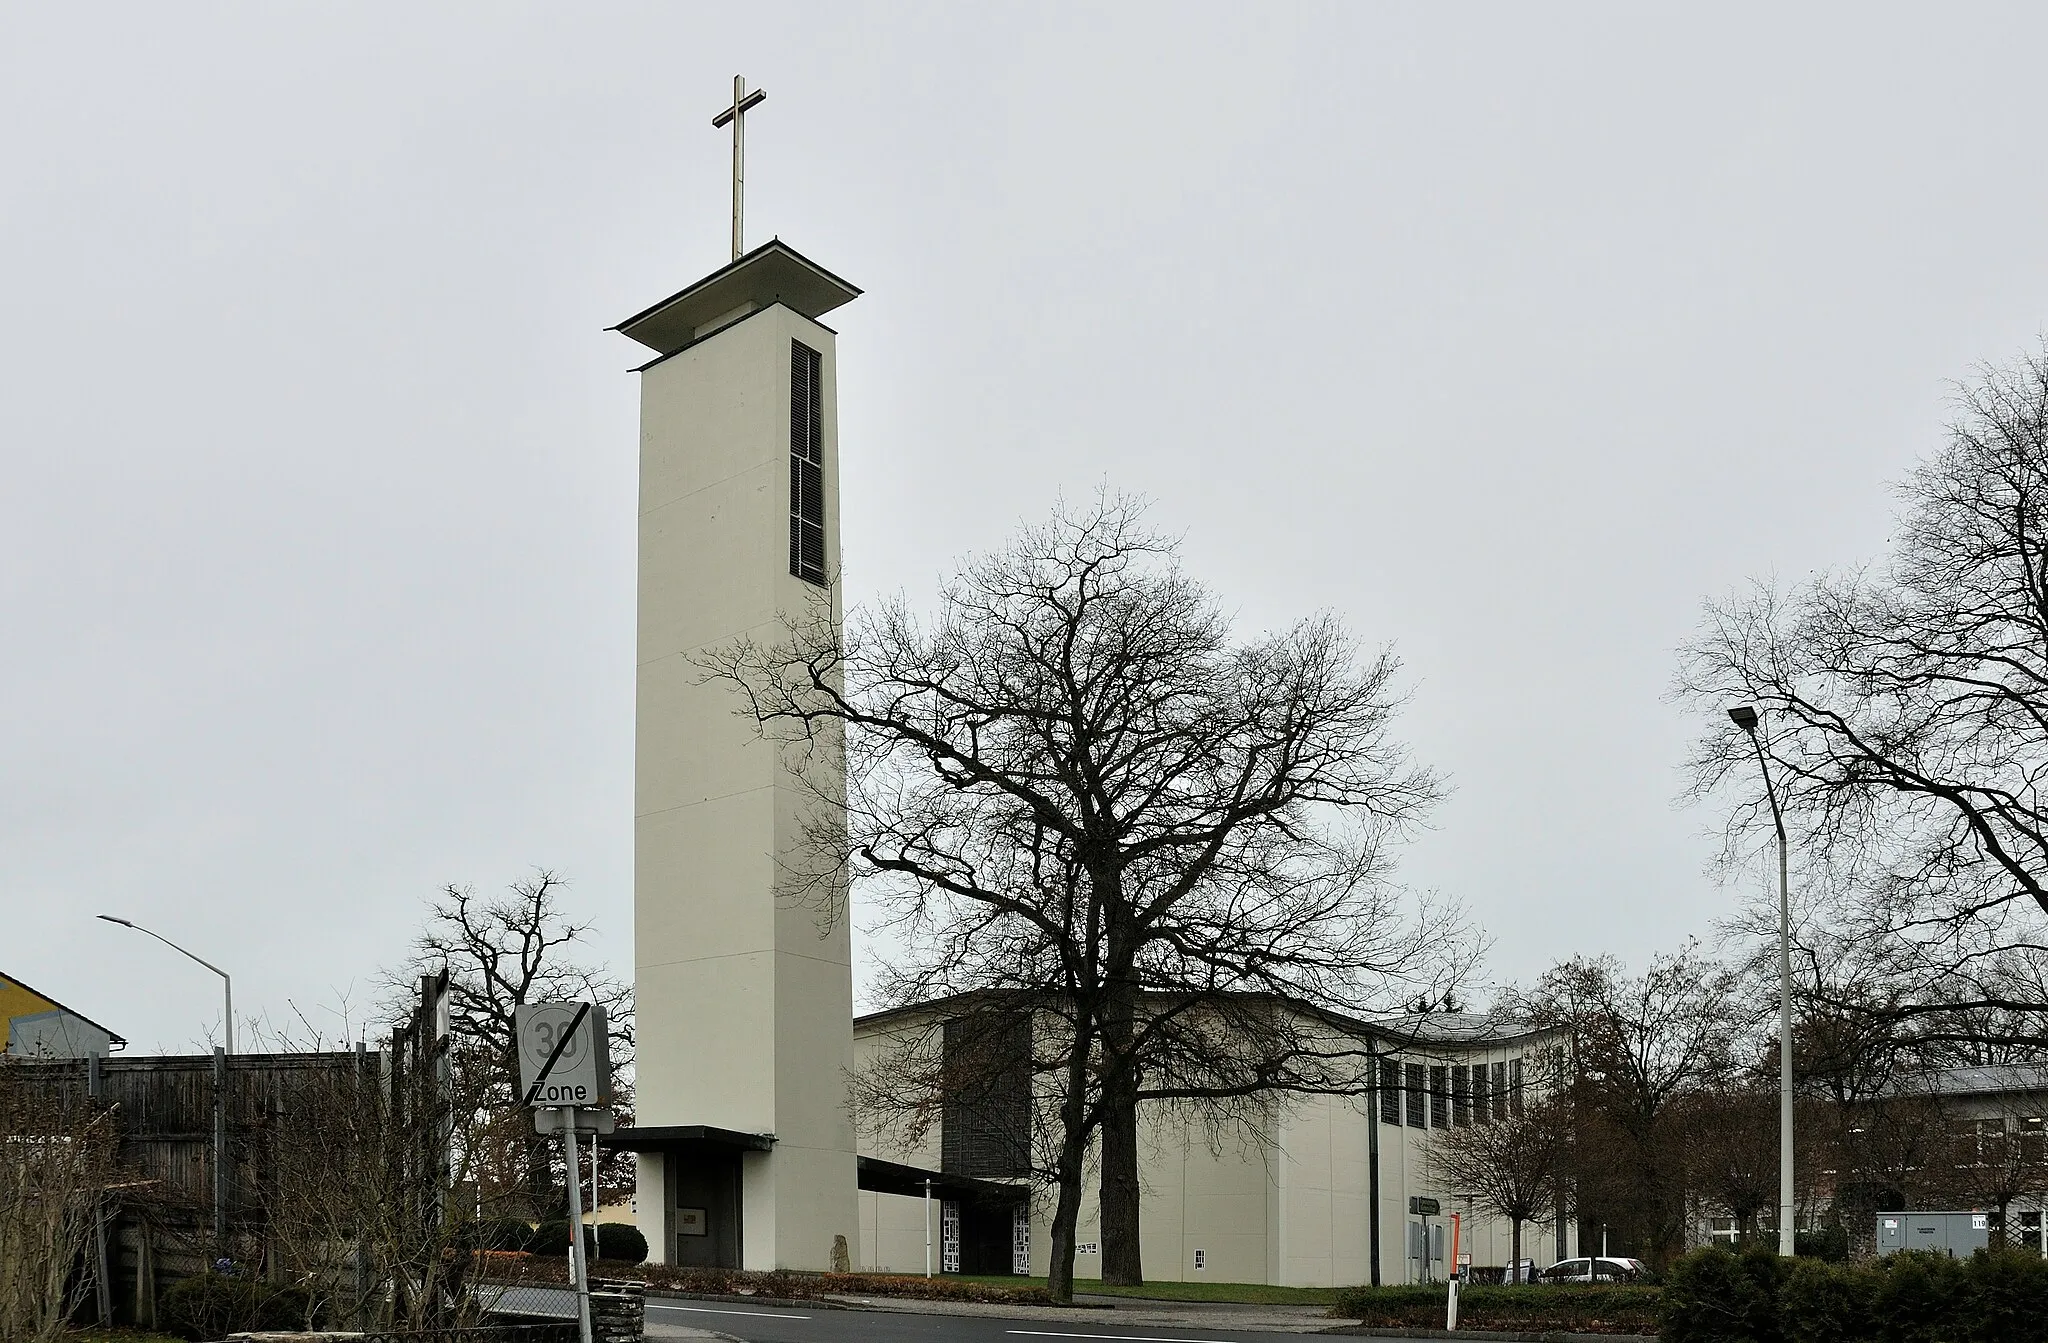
x: 564, y: 1054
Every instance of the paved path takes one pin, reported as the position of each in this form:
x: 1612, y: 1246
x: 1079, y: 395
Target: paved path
x: 895, y: 1320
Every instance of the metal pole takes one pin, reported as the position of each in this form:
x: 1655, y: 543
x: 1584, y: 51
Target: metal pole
x: 1372, y: 1161
x: 579, y: 1271
x: 1786, y: 1236
x: 227, y: 985
x: 220, y: 1151
x: 927, y: 1228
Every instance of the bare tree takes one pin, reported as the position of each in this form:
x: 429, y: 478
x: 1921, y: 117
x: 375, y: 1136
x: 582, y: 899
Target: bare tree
x: 1073, y: 783
x: 500, y: 952
x: 1728, y: 1135
x: 1639, y: 1044
x: 1997, y: 1158
x: 1905, y: 716
x: 1512, y: 1166
x: 56, y: 1160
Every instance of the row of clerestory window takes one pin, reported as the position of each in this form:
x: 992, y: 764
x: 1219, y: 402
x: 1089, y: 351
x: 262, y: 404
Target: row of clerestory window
x: 1447, y: 1095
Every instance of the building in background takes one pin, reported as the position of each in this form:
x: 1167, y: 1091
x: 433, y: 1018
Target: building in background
x: 1287, y: 1204
x: 39, y: 1026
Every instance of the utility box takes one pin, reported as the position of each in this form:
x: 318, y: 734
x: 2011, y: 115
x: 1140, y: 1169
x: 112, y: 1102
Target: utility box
x: 1952, y: 1233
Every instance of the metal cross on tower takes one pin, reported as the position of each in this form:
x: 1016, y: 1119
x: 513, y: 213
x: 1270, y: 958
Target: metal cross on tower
x: 742, y: 103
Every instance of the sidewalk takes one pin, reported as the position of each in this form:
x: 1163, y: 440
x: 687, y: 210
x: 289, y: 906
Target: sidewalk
x: 1107, y: 1311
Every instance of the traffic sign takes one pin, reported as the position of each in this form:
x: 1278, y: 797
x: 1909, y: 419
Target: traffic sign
x: 564, y: 1054
x: 1424, y: 1207
x: 589, y: 1123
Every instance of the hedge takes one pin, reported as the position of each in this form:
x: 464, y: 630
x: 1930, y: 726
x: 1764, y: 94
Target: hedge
x: 1573, y: 1308
x: 621, y: 1243
x: 1712, y: 1296
x: 214, y: 1305
x: 769, y: 1286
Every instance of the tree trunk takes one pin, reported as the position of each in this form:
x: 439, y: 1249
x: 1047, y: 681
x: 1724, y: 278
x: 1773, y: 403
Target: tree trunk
x: 1122, y: 1263
x: 1070, y: 1169
x: 1514, y: 1250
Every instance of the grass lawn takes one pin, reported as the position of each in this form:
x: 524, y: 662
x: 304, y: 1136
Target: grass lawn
x: 96, y: 1335
x: 1246, y: 1293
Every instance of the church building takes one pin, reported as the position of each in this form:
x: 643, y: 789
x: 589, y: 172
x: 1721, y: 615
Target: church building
x: 745, y: 1134
x: 1291, y: 1203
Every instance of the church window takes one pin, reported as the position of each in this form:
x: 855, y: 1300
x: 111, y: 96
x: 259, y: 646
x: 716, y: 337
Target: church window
x: 1439, y: 1097
x: 1418, y: 1096
x: 806, y: 464
x: 1390, y: 1092
x: 1482, y: 1095
x: 1461, y: 1095
x: 985, y: 1111
x: 1515, y: 1086
x: 1500, y: 1091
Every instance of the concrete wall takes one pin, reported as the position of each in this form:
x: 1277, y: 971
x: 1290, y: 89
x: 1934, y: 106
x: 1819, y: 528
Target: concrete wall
x: 743, y: 977
x: 1286, y: 1202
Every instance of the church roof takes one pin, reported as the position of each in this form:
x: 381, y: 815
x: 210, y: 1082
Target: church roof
x: 1421, y: 1031
x: 772, y: 273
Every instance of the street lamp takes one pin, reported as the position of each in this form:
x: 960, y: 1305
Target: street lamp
x: 227, y: 986
x: 220, y: 1083
x: 1744, y: 716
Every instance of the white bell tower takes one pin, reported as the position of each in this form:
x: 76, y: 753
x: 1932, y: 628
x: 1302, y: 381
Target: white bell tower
x: 745, y: 993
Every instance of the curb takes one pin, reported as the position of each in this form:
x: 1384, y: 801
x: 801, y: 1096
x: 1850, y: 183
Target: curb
x: 735, y: 1299
x: 1494, y: 1335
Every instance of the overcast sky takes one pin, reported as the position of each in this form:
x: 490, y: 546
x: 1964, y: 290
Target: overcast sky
x: 1507, y: 333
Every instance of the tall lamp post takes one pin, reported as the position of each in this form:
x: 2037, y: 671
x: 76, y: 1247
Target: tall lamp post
x: 227, y: 985
x: 1745, y: 717
x: 220, y: 1081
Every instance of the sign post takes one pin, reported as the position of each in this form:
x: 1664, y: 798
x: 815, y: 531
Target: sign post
x: 1457, y: 1271
x: 565, y: 1066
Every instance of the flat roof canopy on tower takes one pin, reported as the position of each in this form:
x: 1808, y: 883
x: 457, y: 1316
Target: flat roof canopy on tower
x: 774, y: 272
x: 893, y: 1177
x: 673, y: 1137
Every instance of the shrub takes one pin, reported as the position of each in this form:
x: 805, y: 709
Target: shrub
x: 506, y: 1233
x: 214, y: 1305
x: 620, y: 1243
x: 1920, y: 1295
x: 1712, y: 1296
x: 1828, y: 1303
x: 2007, y: 1297
x: 1566, y: 1307
x: 1829, y: 1242
x: 551, y: 1239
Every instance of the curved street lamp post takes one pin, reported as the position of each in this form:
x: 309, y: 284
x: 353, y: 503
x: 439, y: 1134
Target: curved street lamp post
x: 220, y: 1057
x: 1745, y: 717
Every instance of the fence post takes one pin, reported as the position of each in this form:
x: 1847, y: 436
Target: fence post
x: 220, y: 1150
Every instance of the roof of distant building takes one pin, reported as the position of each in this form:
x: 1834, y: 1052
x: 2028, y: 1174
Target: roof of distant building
x: 1470, y: 1029
x: 44, y: 1003
x: 1986, y: 1080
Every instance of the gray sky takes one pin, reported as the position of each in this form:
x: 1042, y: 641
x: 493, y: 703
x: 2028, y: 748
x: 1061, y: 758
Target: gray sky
x: 1509, y: 333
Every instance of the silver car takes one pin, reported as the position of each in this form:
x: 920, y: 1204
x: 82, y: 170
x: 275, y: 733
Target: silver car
x: 1593, y: 1270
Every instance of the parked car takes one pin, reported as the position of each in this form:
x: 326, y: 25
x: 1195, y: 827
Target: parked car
x: 1593, y: 1270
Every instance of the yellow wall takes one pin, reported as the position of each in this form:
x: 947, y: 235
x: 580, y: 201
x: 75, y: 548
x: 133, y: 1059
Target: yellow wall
x: 16, y: 1001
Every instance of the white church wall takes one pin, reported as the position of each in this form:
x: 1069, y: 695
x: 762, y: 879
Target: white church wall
x: 744, y: 997
x: 1218, y: 1200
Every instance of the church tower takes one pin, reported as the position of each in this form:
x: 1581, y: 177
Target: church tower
x: 745, y: 993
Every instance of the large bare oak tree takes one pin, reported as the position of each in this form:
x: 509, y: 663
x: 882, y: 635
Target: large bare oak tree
x: 1074, y: 783
x: 1905, y: 717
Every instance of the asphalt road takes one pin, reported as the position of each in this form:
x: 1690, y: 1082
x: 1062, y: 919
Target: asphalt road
x: 771, y: 1325
x: 765, y: 1323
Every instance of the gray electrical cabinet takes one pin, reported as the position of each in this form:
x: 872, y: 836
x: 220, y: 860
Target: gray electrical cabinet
x: 1950, y: 1233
